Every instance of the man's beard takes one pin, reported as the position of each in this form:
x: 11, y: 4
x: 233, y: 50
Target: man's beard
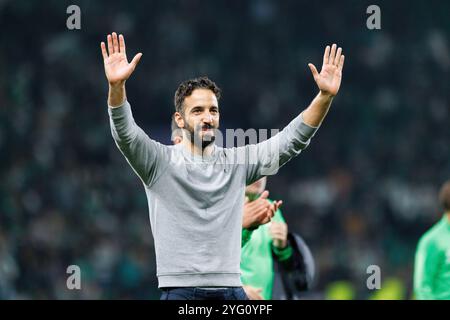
x: 196, y: 139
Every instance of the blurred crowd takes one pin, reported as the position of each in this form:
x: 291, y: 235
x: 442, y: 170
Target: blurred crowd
x: 361, y: 194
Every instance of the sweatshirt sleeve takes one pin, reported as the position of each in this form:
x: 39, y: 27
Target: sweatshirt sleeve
x: 142, y: 153
x: 283, y: 254
x: 246, y: 235
x: 267, y: 157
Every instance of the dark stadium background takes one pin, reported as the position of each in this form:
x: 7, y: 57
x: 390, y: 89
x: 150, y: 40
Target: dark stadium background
x: 361, y: 194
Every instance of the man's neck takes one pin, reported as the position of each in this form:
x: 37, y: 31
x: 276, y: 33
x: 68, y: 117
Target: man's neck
x: 198, y: 150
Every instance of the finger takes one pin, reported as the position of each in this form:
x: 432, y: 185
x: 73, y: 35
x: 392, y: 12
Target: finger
x: 341, y: 63
x: 266, y: 220
x: 135, y: 60
x: 326, y: 55
x: 278, y: 204
x: 104, y: 53
x: 278, y: 235
x: 251, y: 203
x: 259, y: 214
x: 274, y: 227
x: 271, y: 212
x: 278, y: 232
x: 110, y: 45
x: 273, y: 230
x: 338, y: 56
x: 262, y: 213
x: 262, y: 200
x: 264, y: 195
x: 275, y: 207
x: 313, y: 70
x: 332, y: 53
x: 260, y: 204
x: 122, y: 44
x: 277, y: 238
x: 115, y: 42
x: 263, y: 205
x: 268, y: 204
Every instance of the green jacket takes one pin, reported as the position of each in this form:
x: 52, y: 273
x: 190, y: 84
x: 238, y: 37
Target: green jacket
x: 256, y: 257
x: 432, y: 263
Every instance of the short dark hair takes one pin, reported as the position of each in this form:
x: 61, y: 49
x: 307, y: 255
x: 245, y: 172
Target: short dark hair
x: 186, y: 87
x: 444, y: 196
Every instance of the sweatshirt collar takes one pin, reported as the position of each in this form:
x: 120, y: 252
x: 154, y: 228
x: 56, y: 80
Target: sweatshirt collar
x: 196, y: 157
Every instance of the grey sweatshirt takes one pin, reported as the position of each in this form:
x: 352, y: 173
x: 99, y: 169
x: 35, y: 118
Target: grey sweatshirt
x: 196, y: 203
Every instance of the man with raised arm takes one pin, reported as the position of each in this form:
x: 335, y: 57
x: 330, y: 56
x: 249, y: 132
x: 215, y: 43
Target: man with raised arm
x: 195, y: 189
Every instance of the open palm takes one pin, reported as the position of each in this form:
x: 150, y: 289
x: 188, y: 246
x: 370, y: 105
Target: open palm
x: 329, y: 78
x: 117, y: 68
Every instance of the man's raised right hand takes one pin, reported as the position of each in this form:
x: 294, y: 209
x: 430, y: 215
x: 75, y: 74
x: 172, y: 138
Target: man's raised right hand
x: 117, y: 68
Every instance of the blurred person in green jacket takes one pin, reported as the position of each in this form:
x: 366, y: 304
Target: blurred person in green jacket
x: 432, y: 261
x: 257, y: 262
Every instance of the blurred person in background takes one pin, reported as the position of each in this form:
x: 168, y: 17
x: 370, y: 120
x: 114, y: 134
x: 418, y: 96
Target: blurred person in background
x: 271, y: 249
x: 271, y: 236
x: 432, y: 262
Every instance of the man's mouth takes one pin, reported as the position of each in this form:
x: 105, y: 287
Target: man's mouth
x: 207, y: 128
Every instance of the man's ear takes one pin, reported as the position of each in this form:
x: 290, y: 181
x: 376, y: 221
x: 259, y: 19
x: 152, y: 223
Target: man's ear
x: 179, y: 120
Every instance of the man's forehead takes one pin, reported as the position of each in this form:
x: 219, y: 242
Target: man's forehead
x: 201, y: 97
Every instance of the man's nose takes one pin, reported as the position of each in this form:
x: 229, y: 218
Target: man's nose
x: 208, y: 118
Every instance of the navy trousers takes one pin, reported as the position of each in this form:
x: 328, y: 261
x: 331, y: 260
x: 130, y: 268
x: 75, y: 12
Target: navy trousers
x: 193, y: 293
